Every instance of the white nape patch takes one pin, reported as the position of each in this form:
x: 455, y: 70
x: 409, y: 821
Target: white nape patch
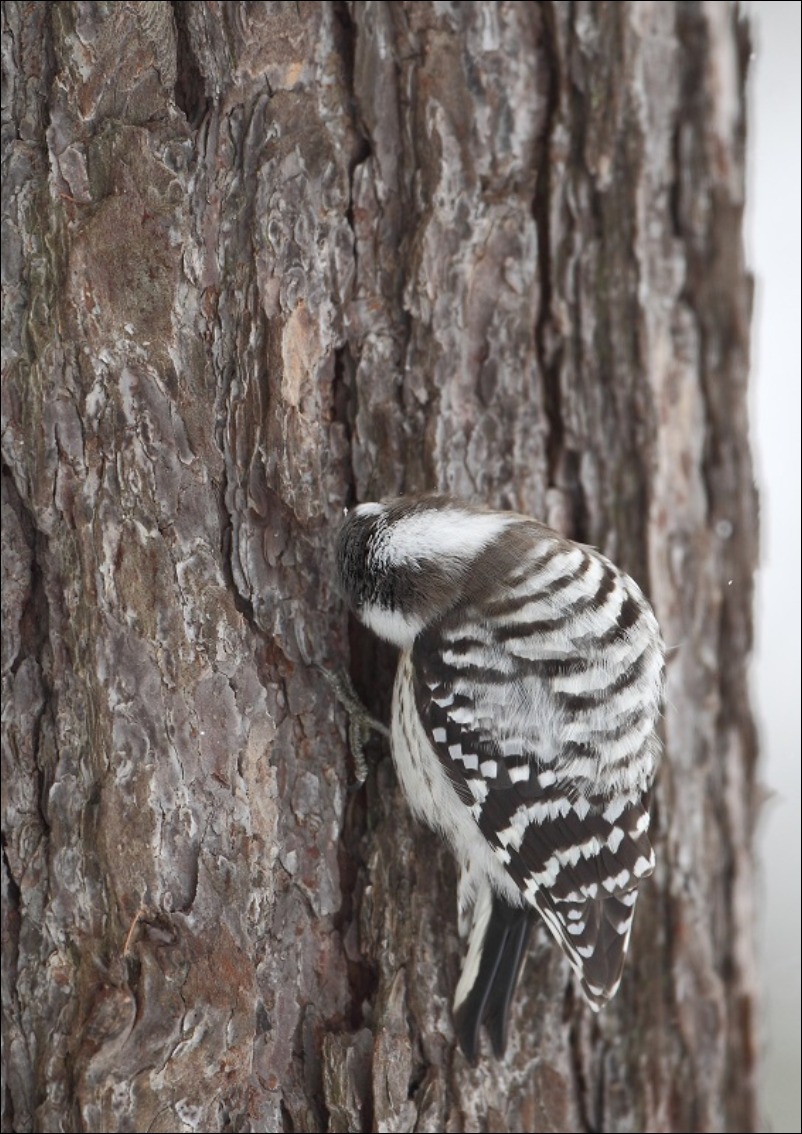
x: 436, y: 532
x: 482, y: 910
x: 391, y: 625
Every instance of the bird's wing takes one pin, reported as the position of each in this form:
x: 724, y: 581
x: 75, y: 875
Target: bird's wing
x: 576, y: 856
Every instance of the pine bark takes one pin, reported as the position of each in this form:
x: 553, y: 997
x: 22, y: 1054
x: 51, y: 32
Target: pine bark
x: 262, y: 261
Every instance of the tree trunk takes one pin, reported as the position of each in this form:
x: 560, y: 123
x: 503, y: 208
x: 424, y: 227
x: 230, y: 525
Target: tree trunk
x: 261, y: 261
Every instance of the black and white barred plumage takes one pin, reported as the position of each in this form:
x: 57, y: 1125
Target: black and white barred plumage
x: 523, y: 729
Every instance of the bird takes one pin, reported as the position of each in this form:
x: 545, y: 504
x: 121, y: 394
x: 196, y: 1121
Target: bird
x: 524, y: 730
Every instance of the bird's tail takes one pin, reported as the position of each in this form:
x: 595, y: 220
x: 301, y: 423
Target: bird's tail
x: 496, y: 948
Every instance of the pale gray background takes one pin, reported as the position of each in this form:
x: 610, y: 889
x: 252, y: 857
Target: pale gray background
x: 773, y: 243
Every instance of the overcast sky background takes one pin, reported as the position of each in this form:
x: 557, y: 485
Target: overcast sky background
x: 773, y: 249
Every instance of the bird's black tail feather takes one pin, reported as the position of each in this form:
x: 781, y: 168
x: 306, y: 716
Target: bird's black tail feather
x: 489, y: 998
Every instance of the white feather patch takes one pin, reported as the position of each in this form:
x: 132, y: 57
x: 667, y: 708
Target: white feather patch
x: 391, y: 625
x: 435, y: 532
x: 481, y: 919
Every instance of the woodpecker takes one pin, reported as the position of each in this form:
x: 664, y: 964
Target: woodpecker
x: 523, y: 730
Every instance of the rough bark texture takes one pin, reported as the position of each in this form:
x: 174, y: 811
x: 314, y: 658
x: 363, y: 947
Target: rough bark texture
x: 263, y: 260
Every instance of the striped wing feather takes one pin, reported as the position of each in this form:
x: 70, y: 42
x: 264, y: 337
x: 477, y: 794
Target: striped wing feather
x: 532, y: 742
